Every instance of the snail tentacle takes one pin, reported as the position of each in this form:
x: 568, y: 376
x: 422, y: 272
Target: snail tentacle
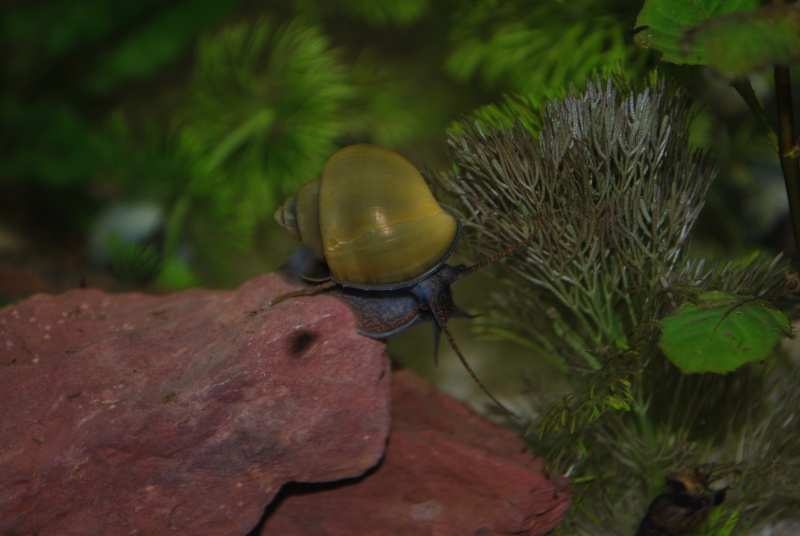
x: 307, y: 291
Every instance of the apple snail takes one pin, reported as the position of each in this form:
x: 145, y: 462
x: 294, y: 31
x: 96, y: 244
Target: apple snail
x: 374, y: 225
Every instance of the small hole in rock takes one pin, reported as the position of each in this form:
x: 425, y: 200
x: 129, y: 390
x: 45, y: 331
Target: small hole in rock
x: 301, y: 340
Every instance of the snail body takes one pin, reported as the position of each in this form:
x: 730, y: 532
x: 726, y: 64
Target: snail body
x: 684, y: 505
x: 372, y: 219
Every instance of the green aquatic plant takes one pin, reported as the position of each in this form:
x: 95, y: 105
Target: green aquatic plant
x: 264, y: 108
x: 524, y: 47
x: 613, y: 189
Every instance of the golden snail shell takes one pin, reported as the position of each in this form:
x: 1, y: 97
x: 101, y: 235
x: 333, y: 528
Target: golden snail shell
x: 372, y: 218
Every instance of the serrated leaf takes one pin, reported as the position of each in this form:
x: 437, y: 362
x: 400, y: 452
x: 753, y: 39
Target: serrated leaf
x: 721, y: 332
x: 664, y: 24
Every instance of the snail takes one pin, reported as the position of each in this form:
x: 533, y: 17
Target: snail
x: 382, y: 240
x: 685, y: 504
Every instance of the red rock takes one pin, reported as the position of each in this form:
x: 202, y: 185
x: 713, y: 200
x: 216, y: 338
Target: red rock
x: 181, y: 414
x: 446, y: 471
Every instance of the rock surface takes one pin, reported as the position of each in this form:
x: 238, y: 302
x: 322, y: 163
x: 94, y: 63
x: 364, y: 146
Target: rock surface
x: 186, y: 413
x: 446, y: 471
x: 181, y: 414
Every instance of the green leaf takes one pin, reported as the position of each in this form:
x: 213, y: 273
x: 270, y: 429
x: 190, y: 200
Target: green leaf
x: 665, y: 23
x: 741, y: 43
x: 721, y: 332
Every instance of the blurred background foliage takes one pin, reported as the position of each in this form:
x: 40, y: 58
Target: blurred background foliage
x: 146, y: 145
x: 209, y: 114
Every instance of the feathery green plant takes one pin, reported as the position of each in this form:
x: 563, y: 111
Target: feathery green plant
x: 524, y: 47
x: 612, y: 189
x: 265, y: 105
x: 264, y: 110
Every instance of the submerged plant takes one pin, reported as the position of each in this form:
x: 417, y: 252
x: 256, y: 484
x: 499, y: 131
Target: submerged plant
x: 614, y: 188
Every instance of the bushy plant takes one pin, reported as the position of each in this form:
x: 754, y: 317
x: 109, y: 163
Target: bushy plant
x: 612, y: 189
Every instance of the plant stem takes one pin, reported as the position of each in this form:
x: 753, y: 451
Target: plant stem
x: 786, y: 144
x: 745, y: 90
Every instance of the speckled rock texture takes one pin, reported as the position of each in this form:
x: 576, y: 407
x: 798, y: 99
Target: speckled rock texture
x: 179, y: 414
x: 187, y: 413
x: 447, y: 471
